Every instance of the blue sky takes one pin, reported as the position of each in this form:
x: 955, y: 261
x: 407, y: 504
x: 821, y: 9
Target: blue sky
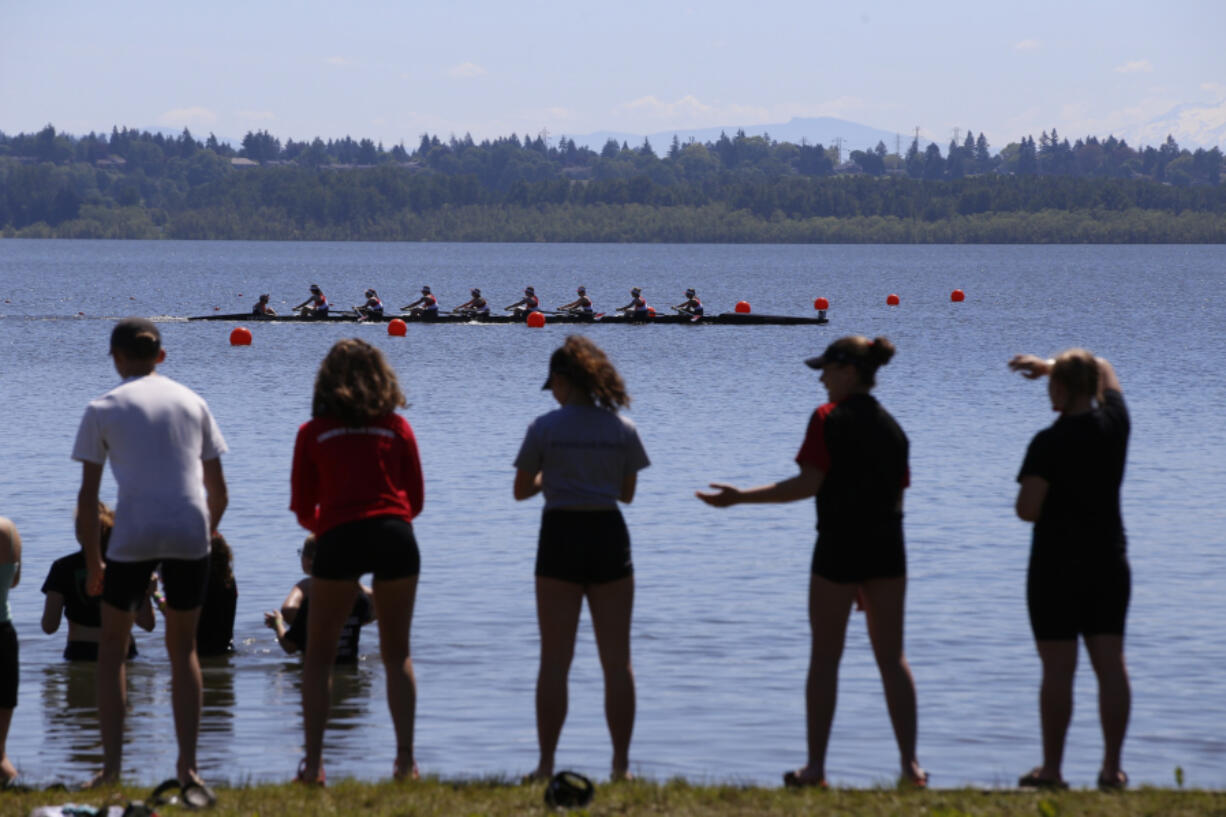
x: 393, y: 70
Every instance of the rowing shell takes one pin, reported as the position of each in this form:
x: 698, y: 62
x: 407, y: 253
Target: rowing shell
x: 724, y: 319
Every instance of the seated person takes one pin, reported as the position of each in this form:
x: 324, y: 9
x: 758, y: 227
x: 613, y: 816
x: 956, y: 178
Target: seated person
x: 290, y: 622
x: 424, y: 307
x: 475, y: 305
x: 261, y: 308
x: 372, y: 309
x: 66, y: 598
x: 691, y: 305
x: 580, y: 306
x: 215, y: 630
x: 316, y: 305
x: 525, y: 305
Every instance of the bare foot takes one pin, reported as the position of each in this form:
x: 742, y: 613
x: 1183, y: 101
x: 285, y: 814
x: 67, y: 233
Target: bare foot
x: 620, y: 776
x: 101, y: 779
x: 405, y: 768
x: 537, y: 775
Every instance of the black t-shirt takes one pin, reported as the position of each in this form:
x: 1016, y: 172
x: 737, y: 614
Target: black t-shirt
x: 863, y: 452
x: 67, y: 577
x: 347, y: 647
x: 215, y: 630
x: 1081, y: 457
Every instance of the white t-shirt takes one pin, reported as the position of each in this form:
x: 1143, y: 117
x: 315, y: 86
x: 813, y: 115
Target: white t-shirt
x: 583, y: 453
x: 157, y: 434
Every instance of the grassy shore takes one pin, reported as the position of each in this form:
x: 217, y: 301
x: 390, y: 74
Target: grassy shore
x: 434, y: 797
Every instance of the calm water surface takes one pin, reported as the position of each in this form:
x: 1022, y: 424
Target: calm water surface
x: 721, y: 640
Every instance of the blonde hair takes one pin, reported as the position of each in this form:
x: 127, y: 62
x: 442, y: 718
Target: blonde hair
x: 1077, y: 371
x: 355, y: 384
x: 588, y: 368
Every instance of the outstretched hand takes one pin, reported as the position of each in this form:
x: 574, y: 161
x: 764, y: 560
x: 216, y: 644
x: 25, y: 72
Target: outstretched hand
x: 1032, y: 367
x: 724, y: 495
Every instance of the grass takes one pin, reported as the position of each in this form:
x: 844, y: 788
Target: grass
x: 495, y: 798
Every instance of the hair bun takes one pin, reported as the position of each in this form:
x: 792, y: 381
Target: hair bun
x: 880, y: 350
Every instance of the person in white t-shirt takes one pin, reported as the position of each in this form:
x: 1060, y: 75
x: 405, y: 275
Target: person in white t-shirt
x: 165, y: 449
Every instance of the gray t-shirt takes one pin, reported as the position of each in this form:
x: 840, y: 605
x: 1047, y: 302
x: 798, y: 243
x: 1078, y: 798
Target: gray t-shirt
x: 584, y: 453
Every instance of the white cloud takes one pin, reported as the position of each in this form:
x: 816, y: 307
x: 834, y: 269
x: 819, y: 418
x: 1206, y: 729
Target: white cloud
x: 466, y: 70
x: 338, y: 61
x: 1027, y: 45
x: 688, y: 112
x: 256, y: 116
x: 1135, y: 67
x: 1214, y: 88
x: 186, y: 117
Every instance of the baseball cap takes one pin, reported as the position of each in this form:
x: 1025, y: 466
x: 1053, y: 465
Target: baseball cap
x: 834, y: 354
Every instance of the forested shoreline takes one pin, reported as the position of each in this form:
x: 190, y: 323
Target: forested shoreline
x: 737, y: 189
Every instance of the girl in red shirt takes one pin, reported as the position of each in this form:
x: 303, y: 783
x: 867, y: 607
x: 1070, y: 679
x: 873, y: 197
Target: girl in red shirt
x: 357, y: 484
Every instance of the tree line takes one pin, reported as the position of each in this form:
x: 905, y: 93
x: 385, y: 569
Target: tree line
x: 739, y: 188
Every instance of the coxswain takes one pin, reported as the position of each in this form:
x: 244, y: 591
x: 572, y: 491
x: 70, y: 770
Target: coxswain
x: 526, y: 304
x: 691, y: 306
x: 581, y: 306
x: 372, y: 309
x: 261, y: 308
x: 424, y: 307
x: 637, y: 308
x: 476, y: 305
x: 316, y: 305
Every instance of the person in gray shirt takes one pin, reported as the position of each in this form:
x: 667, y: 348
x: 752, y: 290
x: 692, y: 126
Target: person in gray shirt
x: 585, y: 458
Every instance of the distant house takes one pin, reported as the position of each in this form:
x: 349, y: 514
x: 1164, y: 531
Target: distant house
x: 848, y: 168
x: 111, y: 161
x: 240, y: 162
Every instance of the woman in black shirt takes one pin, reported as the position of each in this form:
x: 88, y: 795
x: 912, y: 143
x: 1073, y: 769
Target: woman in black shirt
x: 1078, y: 581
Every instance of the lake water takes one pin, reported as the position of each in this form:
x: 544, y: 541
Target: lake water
x: 720, y: 631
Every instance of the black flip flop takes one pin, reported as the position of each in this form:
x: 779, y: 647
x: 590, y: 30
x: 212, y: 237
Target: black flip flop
x: 159, y: 797
x: 196, y: 795
x: 569, y: 790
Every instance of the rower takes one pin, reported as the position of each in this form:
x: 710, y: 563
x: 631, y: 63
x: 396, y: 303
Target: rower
x: 637, y: 308
x: 581, y: 306
x: 528, y: 303
x: 372, y: 309
x: 261, y: 308
x: 691, y: 306
x: 424, y: 307
x: 475, y: 305
x: 316, y: 305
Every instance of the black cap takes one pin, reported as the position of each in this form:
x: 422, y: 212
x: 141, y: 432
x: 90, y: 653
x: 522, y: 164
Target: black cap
x: 833, y: 354
x: 315, y: 288
x: 136, y: 338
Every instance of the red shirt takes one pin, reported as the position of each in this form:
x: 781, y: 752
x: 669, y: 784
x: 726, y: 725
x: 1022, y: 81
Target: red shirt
x: 343, y: 474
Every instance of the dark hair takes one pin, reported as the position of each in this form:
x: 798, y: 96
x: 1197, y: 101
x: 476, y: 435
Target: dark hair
x: 1077, y: 371
x: 221, y: 559
x: 866, y: 355
x: 309, y: 546
x: 355, y: 385
x: 587, y: 367
x: 136, y: 339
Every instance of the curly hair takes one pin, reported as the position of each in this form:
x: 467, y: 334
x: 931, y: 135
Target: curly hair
x: 355, y: 384
x: 588, y: 368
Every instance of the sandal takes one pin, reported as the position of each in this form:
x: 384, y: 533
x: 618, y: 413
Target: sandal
x: 320, y: 780
x: 196, y: 795
x: 1032, y: 780
x: 399, y: 774
x: 792, y: 780
x: 913, y: 781
x: 1118, y: 783
x: 158, y: 796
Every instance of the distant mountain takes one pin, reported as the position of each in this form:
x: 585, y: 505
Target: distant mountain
x: 821, y: 130
x: 1193, y: 125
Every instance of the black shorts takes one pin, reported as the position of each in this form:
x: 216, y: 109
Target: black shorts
x: 584, y: 547
x: 183, y: 580
x: 382, y: 545
x: 1068, y: 599
x: 88, y: 650
x: 8, y: 666
x: 852, y: 562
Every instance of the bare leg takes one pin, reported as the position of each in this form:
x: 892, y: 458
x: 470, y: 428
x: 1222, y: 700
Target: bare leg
x: 1056, y: 702
x: 394, y: 602
x: 1114, y: 698
x: 330, y: 604
x: 883, y: 608
x: 611, y: 605
x: 186, y: 686
x: 558, y: 604
x: 7, y: 770
x: 829, y: 606
x: 112, y: 686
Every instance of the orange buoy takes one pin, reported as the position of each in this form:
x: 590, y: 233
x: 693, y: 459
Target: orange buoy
x: 240, y: 336
x: 215, y: 309
x: 536, y: 319
x: 651, y: 311
x: 396, y: 328
x: 891, y: 299
x: 821, y: 303
x: 957, y: 296
x: 742, y: 307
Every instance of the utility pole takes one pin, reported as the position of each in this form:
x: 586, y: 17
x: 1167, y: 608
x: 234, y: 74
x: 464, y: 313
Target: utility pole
x: 838, y: 149
x: 957, y: 133
x: 544, y: 134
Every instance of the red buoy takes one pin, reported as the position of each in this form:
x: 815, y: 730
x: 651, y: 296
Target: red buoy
x: 651, y: 311
x: 240, y: 336
x: 396, y: 328
x: 957, y: 296
x: 821, y: 303
x: 742, y: 307
x: 536, y: 319
x: 891, y: 299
